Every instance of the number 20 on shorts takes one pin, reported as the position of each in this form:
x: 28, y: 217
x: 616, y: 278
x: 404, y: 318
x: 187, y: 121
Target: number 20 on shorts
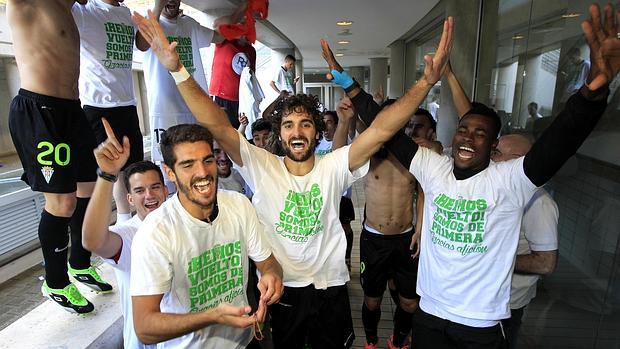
x: 62, y: 153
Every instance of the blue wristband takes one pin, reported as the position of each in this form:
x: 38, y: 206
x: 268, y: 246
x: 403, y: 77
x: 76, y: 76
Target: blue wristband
x: 342, y: 79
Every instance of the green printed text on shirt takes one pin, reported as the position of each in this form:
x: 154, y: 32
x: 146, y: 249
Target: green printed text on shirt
x: 215, y: 276
x: 458, y: 224
x: 300, y: 217
x: 119, y: 46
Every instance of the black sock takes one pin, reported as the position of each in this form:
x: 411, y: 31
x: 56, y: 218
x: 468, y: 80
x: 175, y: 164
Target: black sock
x: 54, y: 244
x: 402, y: 326
x: 394, y: 295
x: 370, y: 319
x: 80, y: 257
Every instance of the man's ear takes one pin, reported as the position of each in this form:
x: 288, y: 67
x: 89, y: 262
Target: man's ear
x: 170, y: 173
x: 130, y: 199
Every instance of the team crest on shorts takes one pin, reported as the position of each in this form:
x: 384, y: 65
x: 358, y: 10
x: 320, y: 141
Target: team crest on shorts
x: 47, y: 173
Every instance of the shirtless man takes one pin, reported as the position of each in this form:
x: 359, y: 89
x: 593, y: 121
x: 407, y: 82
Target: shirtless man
x: 54, y: 141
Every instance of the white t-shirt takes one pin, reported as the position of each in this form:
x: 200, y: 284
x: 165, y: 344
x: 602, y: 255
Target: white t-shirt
x: 300, y: 213
x: 539, y: 232
x: 233, y: 182
x: 107, y: 36
x: 166, y: 105
x: 198, y: 265
x: 283, y: 80
x: 469, y: 237
x: 126, y: 231
x: 250, y: 96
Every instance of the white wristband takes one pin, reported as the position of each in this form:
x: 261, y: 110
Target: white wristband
x: 180, y: 76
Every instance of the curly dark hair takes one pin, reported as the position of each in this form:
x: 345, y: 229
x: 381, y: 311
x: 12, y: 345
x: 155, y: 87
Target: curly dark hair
x: 300, y: 103
x: 182, y: 133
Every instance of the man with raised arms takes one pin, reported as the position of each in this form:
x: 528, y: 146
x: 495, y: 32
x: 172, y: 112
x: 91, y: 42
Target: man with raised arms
x: 387, y: 235
x: 297, y: 196
x: 54, y: 141
x: 473, y: 206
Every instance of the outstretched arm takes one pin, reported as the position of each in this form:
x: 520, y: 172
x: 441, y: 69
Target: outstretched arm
x: 208, y: 114
x: 564, y: 136
x: 391, y: 119
x: 460, y: 99
x: 96, y: 237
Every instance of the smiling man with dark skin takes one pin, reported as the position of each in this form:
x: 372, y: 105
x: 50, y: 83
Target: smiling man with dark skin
x: 54, y: 141
x: 473, y: 207
x: 297, y: 196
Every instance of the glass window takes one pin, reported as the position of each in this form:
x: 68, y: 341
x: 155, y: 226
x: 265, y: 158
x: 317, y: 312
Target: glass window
x: 541, y: 59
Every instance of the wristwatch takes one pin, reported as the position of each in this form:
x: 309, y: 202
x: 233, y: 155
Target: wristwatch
x: 107, y: 176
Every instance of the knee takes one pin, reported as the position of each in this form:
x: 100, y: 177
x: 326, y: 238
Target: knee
x: 408, y: 305
x: 60, y: 205
x: 372, y: 303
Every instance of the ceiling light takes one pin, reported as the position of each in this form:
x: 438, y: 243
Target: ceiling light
x: 518, y: 37
x: 344, y: 42
x: 571, y: 15
x: 344, y: 23
x: 339, y: 54
x: 345, y: 32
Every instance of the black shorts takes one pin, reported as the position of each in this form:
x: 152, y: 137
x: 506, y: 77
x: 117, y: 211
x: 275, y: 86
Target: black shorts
x: 320, y: 317
x: 437, y: 333
x: 54, y: 142
x: 124, y: 122
x: 232, y: 110
x: 384, y: 257
x: 347, y: 212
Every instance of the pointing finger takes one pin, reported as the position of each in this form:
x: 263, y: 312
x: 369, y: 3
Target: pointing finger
x: 110, y: 134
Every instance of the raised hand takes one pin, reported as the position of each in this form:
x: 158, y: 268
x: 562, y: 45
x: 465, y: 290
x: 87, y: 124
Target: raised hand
x: 110, y: 155
x: 345, y: 109
x: 153, y: 33
x: 604, y: 43
x: 243, y: 120
x: 328, y: 56
x: 434, y: 66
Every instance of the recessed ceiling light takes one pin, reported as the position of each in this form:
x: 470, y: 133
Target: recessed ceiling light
x: 339, y: 54
x: 344, y: 23
x: 518, y: 37
x: 571, y: 15
x: 345, y: 32
x: 344, y: 42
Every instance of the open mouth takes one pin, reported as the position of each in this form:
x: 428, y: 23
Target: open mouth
x: 151, y: 205
x: 298, y: 144
x: 203, y: 186
x: 465, y: 152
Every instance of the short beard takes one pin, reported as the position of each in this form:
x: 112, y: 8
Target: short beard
x: 307, y: 155
x: 186, y: 190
